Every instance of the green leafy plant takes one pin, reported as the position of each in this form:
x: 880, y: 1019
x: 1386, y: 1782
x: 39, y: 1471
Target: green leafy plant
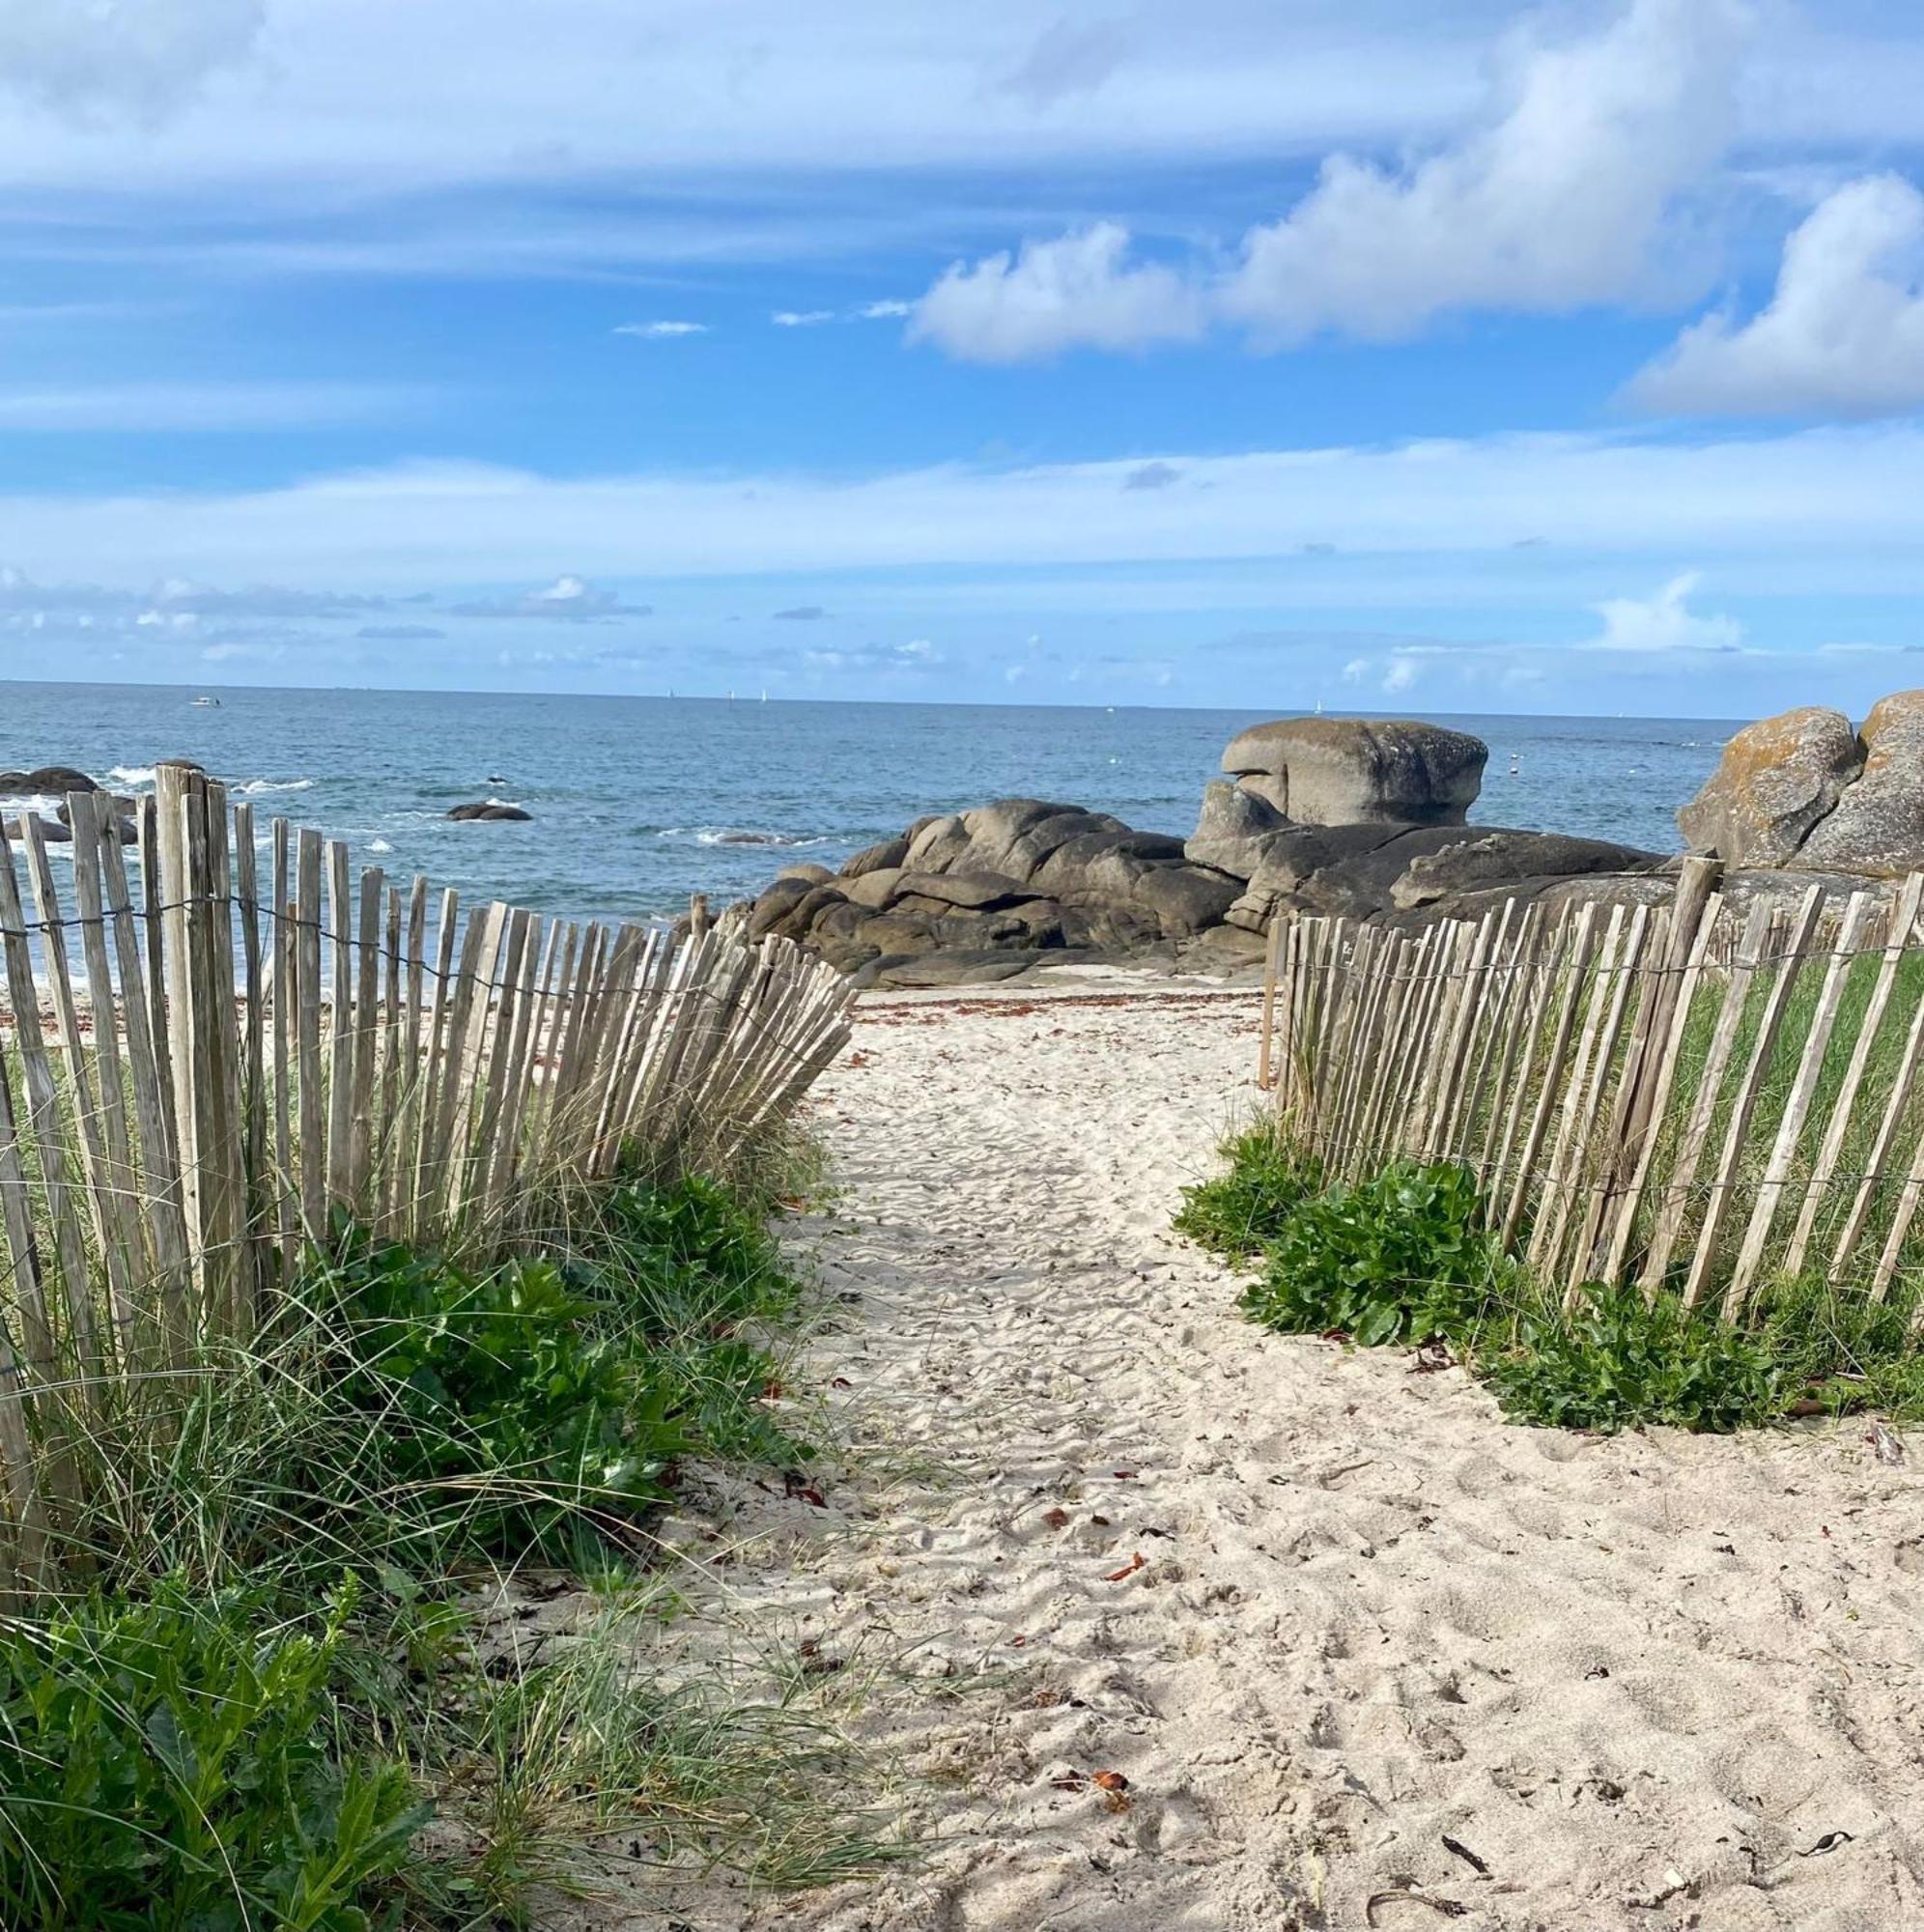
x: 1399, y: 1257
x: 172, y: 1766
x: 1237, y: 1212
x: 1617, y: 1361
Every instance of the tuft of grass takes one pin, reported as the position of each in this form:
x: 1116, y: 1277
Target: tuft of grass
x: 1238, y: 1213
x: 176, y: 1764
x: 424, y: 1427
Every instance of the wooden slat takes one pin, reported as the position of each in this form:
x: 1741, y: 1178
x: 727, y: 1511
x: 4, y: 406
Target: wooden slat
x: 1674, y: 1203
x: 1797, y: 1107
x: 307, y: 1027
x: 1902, y: 933
x: 1572, y: 980
x: 1743, y: 1105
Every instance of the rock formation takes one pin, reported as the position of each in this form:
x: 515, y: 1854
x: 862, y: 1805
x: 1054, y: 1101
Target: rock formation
x: 977, y: 895
x: 1802, y: 791
x: 1356, y: 771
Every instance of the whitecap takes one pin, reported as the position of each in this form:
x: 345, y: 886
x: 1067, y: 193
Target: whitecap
x: 133, y: 775
x: 254, y: 786
x: 743, y: 834
x: 379, y: 845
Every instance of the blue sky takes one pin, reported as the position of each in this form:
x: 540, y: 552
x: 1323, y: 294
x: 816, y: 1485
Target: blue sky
x: 1384, y: 353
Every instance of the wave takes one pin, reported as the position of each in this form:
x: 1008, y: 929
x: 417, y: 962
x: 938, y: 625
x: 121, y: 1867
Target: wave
x: 379, y: 845
x: 42, y: 804
x: 255, y: 787
x: 744, y: 834
x: 133, y: 775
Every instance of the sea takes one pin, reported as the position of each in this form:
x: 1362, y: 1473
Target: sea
x: 638, y: 801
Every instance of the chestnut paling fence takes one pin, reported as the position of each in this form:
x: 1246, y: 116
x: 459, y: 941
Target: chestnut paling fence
x: 1664, y: 1094
x: 202, y: 1071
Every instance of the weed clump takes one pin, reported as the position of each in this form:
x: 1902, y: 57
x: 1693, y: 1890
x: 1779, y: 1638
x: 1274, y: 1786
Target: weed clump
x: 1238, y: 1213
x: 1407, y: 1257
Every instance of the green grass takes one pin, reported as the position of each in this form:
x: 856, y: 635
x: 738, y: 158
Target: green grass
x: 345, y: 1510
x: 1237, y: 1212
x: 1406, y: 1256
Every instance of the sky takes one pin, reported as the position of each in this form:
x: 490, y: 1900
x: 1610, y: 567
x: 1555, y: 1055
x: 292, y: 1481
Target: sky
x: 1416, y: 356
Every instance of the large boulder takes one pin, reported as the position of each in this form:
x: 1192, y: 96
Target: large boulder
x: 1233, y: 830
x: 1876, y: 825
x: 1495, y: 859
x: 1776, y: 781
x: 1357, y: 771
x: 975, y: 891
x: 888, y: 856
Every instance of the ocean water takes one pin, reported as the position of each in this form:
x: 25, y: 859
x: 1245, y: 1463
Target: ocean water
x: 638, y: 801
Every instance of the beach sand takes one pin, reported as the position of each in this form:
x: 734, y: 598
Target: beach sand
x: 1364, y: 1653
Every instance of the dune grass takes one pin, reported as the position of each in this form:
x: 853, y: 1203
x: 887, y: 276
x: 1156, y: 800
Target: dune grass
x: 298, y: 1625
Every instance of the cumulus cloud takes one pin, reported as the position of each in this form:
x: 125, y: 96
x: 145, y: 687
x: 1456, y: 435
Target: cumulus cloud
x: 568, y: 600
x: 1559, y: 203
x: 1559, y: 199
x: 661, y: 332
x: 1843, y: 335
x: 1080, y: 290
x: 1664, y: 622
x: 97, y: 61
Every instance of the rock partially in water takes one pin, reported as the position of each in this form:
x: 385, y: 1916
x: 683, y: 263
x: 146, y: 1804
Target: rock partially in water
x: 49, y: 781
x: 469, y: 814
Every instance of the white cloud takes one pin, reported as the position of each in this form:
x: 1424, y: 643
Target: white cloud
x: 1077, y: 292
x: 99, y: 60
x: 661, y: 332
x: 802, y: 317
x: 916, y: 656
x: 1558, y: 201
x: 1843, y: 335
x: 1664, y: 622
x: 1837, y: 493
x: 1402, y: 674
x: 1561, y: 202
x: 885, y: 311
x: 568, y: 600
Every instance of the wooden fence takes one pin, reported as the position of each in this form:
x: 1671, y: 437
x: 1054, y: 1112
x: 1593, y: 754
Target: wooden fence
x: 1664, y: 1094
x: 199, y: 1076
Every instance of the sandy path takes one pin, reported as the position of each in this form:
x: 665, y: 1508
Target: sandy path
x: 1647, y: 1683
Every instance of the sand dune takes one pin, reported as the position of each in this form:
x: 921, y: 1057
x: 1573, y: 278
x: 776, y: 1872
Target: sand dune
x: 1365, y: 1654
